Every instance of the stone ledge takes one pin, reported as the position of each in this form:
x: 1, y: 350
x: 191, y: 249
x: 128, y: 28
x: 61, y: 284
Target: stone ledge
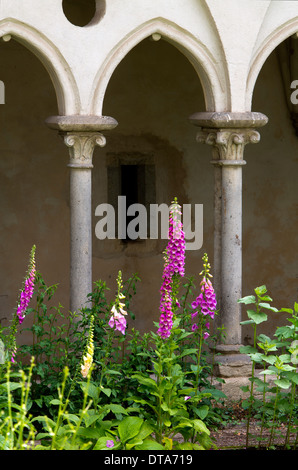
x: 230, y: 363
x: 81, y: 123
x: 228, y: 119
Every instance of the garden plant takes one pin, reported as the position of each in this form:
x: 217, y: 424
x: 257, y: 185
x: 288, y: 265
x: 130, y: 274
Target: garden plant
x: 90, y: 381
x: 277, y: 359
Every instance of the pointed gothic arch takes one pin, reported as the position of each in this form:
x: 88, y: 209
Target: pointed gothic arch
x: 274, y: 39
x: 212, y: 79
x: 67, y: 93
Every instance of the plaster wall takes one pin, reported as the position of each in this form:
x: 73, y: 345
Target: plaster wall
x: 151, y: 94
x: 270, y: 203
x: 205, y: 31
x: 33, y: 179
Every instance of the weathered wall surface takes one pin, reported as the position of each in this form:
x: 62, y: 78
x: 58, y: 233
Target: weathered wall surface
x: 33, y: 178
x: 151, y: 93
x: 270, y: 202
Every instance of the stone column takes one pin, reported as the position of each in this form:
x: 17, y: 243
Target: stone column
x: 228, y: 134
x: 81, y: 134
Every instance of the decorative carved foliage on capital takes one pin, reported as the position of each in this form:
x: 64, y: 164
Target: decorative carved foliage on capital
x: 81, y: 147
x: 229, y: 143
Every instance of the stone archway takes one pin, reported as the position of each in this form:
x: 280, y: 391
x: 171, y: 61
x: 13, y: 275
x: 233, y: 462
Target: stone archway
x: 212, y: 79
x: 151, y: 93
x: 34, y: 183
x: 68, y: 98
x: 270, y: 196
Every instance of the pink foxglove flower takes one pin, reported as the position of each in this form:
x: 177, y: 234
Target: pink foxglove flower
x: 206, y: 302
x: 23, y: 303
x: 173, y: 270
x: 13, y: 355
x: 118, y: 320
x: 28, y: 289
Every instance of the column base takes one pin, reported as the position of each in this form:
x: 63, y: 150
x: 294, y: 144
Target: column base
x: 230, y: 362
x: 233, y: 369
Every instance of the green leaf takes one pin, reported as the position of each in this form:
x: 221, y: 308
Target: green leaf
x: 185, y: 446
x: 266, y: 298
x: 10, y: 386
x: 90, y: 390
x: 270, y: 359
x: 257, y: 357
x: 55, y: 402
x: 200, y: 426
x: 202, y: 412
x: 287, y: 310
x: 188, y: 352
x: 167, y: 409
x: 136, y: 441
x: 42, y: 435
x: 117, y: 409
x: 215, y: 393
x: 257, y: 317
x: 247, y: 349
x: 101, y: 444
x: 267, y: 372
x: 293, y: 376
x: 145, y: 381
x: 129, y: 428
x: 90, y: 418
x: 72, y: 417
x: 284, y: 331
x: 145, y: 430
x: 247, y: 322
x: 261, y: 290
x: 186, y: 391
x: 267, y: 306
x: 282, y: 383
x: 157, y: 367
x: 90, y: 433
x: 106, y: 391
x: 249, y: 299
x: 113, y: 372
x: 149, y: 444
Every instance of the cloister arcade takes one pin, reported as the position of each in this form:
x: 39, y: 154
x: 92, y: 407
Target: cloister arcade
x: 150, y: 82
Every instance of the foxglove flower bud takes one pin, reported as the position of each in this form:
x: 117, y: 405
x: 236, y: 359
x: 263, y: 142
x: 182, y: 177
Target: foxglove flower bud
x: 173, y: 269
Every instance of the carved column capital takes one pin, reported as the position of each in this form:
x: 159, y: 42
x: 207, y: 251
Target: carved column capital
x: 82, y: 134
x: 228, y: 133
x: 229, y: 143
x: 81, y: 147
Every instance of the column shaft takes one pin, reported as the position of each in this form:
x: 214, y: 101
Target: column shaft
x: 81, y: 135
x: 217, y: 244
x: 81, y: 147
x: 80, y: 237
x: 231, y: 252
x: 228, y: 133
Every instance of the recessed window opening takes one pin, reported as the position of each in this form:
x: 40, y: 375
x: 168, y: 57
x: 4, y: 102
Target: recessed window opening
x: 132, y: 187
x: 129, y: 183
x: 136, y: 182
